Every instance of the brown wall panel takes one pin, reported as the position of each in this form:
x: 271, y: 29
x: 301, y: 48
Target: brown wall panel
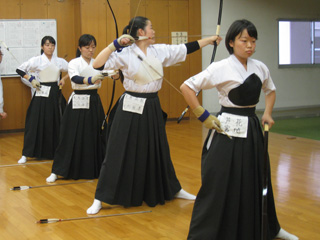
x: 16, y: 97
x: 34, y: 9
x: 66, y: 37
x: 10, y: 9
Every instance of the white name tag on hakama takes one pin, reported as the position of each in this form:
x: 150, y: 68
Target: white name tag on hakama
x: 234, y: 125
x: 43, y: 91
x: 80, y: 101
x: 133, y: 104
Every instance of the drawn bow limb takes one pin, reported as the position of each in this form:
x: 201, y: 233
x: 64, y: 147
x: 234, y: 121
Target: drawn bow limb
x: 213, y: 54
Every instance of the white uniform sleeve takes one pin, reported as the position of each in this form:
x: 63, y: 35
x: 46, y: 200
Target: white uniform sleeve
x: 268, y: 85
x: 64, y: 65
x: 73, y: 68
x: 170, y: 54
x: 204, y: 80
x: 117, y: 60
x: 28, y: 65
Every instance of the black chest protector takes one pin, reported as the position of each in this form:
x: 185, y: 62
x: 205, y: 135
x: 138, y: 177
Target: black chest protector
x: 248, y: 93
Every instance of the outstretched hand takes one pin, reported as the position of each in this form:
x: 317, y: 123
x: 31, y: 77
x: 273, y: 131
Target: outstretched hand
x: 216, y: 39
x: 209, y: 40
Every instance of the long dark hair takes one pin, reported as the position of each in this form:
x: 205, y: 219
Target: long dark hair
x: 236, y: 28
x: 44, y: 40
x: 85, y: 40
x: 134, y: 25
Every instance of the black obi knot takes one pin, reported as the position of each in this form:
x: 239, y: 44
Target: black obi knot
x: 248, y: 93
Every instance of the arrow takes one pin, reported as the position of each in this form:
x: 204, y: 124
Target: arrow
x: 40, y: 186
x: 54, y: 220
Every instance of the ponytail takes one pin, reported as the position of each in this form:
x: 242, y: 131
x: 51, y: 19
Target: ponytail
x: 126, y: 30
x: 78, y: 53
x: 134, y: 25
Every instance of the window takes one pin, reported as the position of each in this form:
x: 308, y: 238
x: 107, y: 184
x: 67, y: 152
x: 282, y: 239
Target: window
x: 299, y: 42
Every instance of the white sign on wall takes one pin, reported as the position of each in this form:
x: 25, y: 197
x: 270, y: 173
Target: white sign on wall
x: 21, y: 39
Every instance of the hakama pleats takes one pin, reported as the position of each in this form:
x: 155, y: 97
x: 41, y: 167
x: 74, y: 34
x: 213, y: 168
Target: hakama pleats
x: 43, y: 124
x: 137, y: 167
x: 81, y: 148
x: 228, y: 205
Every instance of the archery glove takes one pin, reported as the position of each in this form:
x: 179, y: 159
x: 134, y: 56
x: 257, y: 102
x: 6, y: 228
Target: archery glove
x: 116, y: 44
x: 34, y: 82
x: 92, y: 80
x: 207, y: 119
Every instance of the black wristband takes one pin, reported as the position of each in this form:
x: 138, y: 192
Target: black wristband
x: 20, y: 72
x: 192, y: 47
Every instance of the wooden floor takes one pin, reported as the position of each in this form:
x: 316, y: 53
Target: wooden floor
x: 295, y: 166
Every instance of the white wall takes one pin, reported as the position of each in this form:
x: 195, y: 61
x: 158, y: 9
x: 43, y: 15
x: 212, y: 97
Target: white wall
x: 299, y: 87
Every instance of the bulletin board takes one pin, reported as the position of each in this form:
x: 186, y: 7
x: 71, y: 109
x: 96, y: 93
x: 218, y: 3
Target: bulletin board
x: 21, y: 39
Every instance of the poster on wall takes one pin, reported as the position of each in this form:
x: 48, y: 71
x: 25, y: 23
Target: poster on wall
x: 21, y: 39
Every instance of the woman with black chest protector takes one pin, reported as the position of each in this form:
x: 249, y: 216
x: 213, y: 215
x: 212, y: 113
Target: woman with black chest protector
x: 42, y: 126
x: 228, y: 205
x: 137, y: 167
x: 81, y: 149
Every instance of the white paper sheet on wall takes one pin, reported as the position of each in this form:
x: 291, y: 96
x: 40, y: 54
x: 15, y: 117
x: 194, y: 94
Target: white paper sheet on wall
x: 23, y: 38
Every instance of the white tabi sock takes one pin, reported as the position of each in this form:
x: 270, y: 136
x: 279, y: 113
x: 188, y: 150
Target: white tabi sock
x: 23, y: 159
x: 95, y: 207
x: 185, y: 195
x: 282, y: 234
x: 52, y: 178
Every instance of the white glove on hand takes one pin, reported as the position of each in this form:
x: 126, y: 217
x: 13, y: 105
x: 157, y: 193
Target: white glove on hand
x: 208, y: 120
x: 34, y: 82
x: 93, y: 80
x: 117, y: 45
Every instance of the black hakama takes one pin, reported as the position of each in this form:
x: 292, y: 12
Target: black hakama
x: 231, y: 188
x: 43, y: 123
x: 137, y: 166
x: 81, y: 148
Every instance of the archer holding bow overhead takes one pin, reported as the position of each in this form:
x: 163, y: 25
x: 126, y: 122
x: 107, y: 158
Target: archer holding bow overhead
x: 137, y: 167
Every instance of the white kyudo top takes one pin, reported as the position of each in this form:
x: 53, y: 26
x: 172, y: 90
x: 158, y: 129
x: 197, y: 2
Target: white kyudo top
x: 228, y: 74
x: 43, y: 69
x: 138, y: 75
x: 79, y: 67
x: 1, y: 96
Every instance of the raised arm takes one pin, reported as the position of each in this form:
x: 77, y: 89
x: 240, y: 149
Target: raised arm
x: 209, y: 40
x: 123, y: 41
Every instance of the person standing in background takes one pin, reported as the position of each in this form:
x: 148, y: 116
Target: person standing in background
x: 43, y: 115
x: 81, y: 147
x: 2, y: 113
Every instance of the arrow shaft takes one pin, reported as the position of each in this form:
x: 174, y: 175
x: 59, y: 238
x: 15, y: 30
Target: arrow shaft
x: 19, y: 164
x: 53, y: 220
